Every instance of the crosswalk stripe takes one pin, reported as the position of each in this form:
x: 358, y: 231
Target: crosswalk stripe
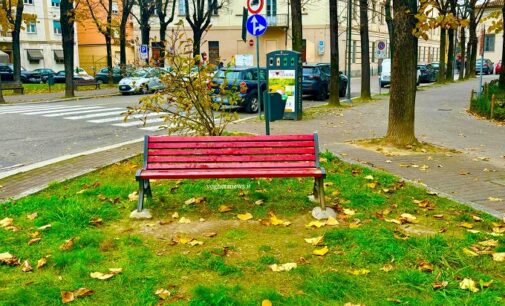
x: 139, y: 122
x: 24, y: 110
x: 91, y: 110
x: 68, y: 109
x: 154, y: 128
x: 122, y: 118
x: 95, y: 115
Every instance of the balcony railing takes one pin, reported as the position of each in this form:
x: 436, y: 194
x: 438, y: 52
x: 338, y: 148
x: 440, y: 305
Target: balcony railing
x: 277, y: 21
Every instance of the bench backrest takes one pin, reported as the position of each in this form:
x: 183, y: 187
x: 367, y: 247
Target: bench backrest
x: 231, y: 152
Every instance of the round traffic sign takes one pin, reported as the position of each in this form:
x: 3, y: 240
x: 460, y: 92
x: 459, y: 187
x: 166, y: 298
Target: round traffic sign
x: 381, y: 45
x: 256, y: 25
x: 255, y: 6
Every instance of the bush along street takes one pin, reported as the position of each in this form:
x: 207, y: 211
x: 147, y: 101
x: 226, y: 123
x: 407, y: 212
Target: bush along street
x: 491, y: 103
x: 247, y: 242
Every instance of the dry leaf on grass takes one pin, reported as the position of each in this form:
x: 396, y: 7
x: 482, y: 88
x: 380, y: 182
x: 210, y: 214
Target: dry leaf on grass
x: 321, y: 252
x: 41, y: 262
x: 225, y: 208
x: 359, y: 271
x: 408, y: 218
x: 348, y: 211
x: 387, y: 268
x: 32, y: 216
x: 162, y: 293
x: 466, y: 225
x: 245, y: 217
x: 68, y: 244
x: 259, y: 202
x: 468, y: 284
x: 100, y: 275
x: 195, y: 201
x: 284, y: 267
x: 44, y: 227
x: 96, y: 221
x: 438, y: 217
x: 331, y: 221
x: 69, y: 296
x: 499, y: 256
x: 395, y: 221
x: 316, y: 224
x: 489, y: 243
x: 184, y: 220
x: 134, y: 196
x: 315, y: 241
x: 476, y: 218
x: 27, y: 267
x: 439, y: 285
x: 276, y: 221
x: 195, y: 242
x: 369, y: 177
x: 5, y: 222
x: 9, y: 259
x: 470, y: 252
x: 485, y: 284
x: 34, y: 240
x: 175, y: 215
x: 492, y: 199
x: 425, y: 266
x: 209, y: 234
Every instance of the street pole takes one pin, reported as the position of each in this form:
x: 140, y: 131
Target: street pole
x: 482, y: 41
x: 258, y: 71
x: 349, y: 37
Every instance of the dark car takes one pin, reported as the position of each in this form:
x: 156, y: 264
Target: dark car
x: 485, y: 64
x: 244, y: 80
x: 7, y: 74
x: 44, y: 73
x: 316, y: 79
x: 102, y: 76
x: 426, y: 74
x: 59, y: 77
x: 435, y: 66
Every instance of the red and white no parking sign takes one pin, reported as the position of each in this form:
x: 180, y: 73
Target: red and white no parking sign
x: 255, y: 6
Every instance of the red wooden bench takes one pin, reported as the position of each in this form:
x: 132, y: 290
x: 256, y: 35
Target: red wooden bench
x: 207, y: 157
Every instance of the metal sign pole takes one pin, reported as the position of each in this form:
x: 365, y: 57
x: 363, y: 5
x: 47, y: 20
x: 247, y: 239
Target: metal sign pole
x: 482, y: 41
x: 258, y: 71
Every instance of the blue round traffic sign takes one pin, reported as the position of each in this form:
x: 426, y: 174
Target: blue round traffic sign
x: 381, y: 45
x: 256, y: 25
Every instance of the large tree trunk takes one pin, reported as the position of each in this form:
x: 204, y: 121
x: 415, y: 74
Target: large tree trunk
x: 449, y: 73
x: 403, y: 76
x: 67, y: 36
x: 334, y: 70
x: 197, y: 38
x: 389, y: 22
x: 163, y: 38
x: 296, y: 25
x: 441, y: 58
x: 472, y: 43
x: 122, y: 48
x: 462, y: 66
x: 502, y: 72
x: 2, y: 100
x: 16, y: 47
x: 365, y: 51
x: 108, y: 46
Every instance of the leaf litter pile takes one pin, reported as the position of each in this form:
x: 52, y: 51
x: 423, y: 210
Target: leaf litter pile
x: 390, y: 243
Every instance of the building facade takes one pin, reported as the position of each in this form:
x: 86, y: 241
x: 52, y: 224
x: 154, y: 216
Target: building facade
x: 41, y: 45
x: 223, y: 41
x: 493, y: 41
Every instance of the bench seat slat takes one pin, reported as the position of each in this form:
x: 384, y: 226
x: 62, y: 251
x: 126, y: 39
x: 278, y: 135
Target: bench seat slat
x: 229, y: 138
x: 231, y: 158
x: 229, y: 173
x: 231, y: 165
x: 216, y: 145
x: 230, y: 151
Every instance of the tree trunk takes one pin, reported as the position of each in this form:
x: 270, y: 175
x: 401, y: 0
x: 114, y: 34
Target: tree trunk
x: 197, y: 38
x: 2, y: 100
x: 472, y: 43
x: 462, y: 65
x: 441, y: 58
x: 334, y: 69
x: 365, y: 50
x: 16, y: 47
x: 501, y: 81
x: 163, y: 38
x: 108, y: 46
x: 449, y: 73
x: 389, y: 22
x: 296, y: 25
x: 403, y: 76
x: 122, y: 48
x: 67, y: 36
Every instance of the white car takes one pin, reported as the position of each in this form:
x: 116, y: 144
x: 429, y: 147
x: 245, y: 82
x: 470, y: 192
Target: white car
x: 142, y: 81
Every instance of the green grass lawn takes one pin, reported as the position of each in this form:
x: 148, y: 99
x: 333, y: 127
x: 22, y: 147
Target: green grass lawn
x: 371, y: 259
x: 44, y: 88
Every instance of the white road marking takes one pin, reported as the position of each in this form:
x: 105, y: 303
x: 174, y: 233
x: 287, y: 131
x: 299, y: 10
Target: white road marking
x: 68, y: 109
x: 139, y: 122
x: 24, y: 110
x: 98, y: 109
x: 95, y: 115
x: 137, y: 116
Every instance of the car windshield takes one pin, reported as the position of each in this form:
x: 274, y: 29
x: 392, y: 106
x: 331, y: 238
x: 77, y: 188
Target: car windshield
x: 139, y: 73
x: 308, y: 70
x: 229, y: 75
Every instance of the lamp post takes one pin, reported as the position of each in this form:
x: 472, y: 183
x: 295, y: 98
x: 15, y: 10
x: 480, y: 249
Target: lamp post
x: 349, y: 42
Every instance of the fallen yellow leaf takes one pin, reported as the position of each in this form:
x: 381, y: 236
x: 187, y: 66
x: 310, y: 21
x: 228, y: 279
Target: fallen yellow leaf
x: 101, y: 276
x: 284, y: 267
x: 468, y: 284
x: 245, y: 217
x: 490, y: 243
x: 34, y: 240
x: 175, y: 215
x: 44, y: 227
x: 27, y: 267
x: 331, y: 221
x: 466, y: 225
x: 485, y: 284
x: 476, y: 218
x: 408, y: 218
x: 195, y: 242
x: 425, y: 267
x: 349, y: 212
x: 469, y: 252
x: 5, y: 222
x: 492, y: 199
x: 9, y: 259
x: 321, y: 252
x: 439, y: 285
x: 224, y: 208
x: 68, y: 244
x: 134, y: 196
x: 387, y: 268
x: 359, y: 271
x: 162, y: 293
x: 259, y: 202
x: 41, y: 262
x: 499, y: 256
x: 184, y: 220
x: 317, y: 224
x: 396, y: 221
x: 315, y: 241
x: 32, y: 216
x: 69, y: 296
x: 369, y: 177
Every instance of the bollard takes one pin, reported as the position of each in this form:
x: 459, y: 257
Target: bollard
x: 492, y: 107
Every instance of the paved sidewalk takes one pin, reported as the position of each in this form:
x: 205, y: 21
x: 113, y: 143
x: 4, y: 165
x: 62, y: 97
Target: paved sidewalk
x: 59, y: 96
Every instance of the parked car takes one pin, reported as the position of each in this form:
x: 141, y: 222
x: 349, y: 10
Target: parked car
x: 426, y: 73
x: 435, y: 66
x: 7, y: 74
x: 241, y: 79
x: 142, y: 81
x: 44, y: 73
x: 59, y: 77
x: 486, y: 65
x: 316, y: 79
x: 103, y: 75
x: 497, y: 67
x: 385, y: 73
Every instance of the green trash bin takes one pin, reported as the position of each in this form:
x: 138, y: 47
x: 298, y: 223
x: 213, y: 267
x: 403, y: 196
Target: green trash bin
x: 274, y: 109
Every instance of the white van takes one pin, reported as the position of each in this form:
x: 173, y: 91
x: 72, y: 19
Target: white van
x: 385, y: 73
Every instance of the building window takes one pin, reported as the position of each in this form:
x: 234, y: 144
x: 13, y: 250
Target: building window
x: 55, y: 3
x: 56, y: 27
x: 214, y: 52
x: 271, y: 7
x: 182, y: 7
x: 115, y: 9
x: 31, y: 27
x: 28, y: 2
x: 489, y: 43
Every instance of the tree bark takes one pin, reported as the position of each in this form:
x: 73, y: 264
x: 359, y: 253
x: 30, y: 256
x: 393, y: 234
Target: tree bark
x: 16, y: 47
x: 403, y: 76
x: 501, y: 80
x: 462, y: 66
x: 197, y: 38
x: 296, y: 25
x: 2, y: 100
x: 126, y: 6
x: 472, y: 46
x: 67, y: 18
x: 108, y: 46
x: 389, y: 22
x: 365, y: 50
x: 334, y: 69
x: 449, y: 72
x: 441, y: 58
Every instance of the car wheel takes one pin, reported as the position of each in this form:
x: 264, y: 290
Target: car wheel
x: 99, y: 81
x: 125, y: 93
x: 323, y: 93
x: 252, y: 104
